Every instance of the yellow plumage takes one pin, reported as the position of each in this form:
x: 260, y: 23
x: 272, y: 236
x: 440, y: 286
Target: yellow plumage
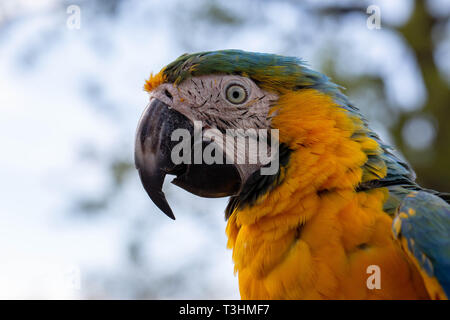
x: 314, y: 236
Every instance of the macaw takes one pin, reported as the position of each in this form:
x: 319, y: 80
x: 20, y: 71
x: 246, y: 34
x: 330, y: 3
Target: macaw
x: 340, y: 218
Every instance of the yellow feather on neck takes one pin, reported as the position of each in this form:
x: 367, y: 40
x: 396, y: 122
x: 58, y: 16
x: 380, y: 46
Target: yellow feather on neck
x: 313, y: 236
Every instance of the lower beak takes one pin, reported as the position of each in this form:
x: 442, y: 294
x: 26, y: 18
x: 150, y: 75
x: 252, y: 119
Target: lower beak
x: 154, y: 160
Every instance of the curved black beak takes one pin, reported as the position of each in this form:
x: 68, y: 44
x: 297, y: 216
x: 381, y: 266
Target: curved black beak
x: 153, y: 159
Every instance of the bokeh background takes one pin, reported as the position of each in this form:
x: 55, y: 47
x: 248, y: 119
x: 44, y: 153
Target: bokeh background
x: 74, y: 219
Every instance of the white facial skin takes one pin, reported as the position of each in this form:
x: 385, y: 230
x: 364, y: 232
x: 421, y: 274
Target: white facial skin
x: 219, y: 101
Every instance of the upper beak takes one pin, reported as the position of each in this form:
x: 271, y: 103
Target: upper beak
x: 153, y: 159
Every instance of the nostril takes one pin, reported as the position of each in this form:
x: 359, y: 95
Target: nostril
x: 168, y: 94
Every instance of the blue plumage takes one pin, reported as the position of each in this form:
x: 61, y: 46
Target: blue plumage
x: 425, y: 224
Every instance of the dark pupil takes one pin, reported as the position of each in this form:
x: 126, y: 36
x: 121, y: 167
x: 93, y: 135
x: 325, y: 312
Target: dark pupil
x: 236, y: 94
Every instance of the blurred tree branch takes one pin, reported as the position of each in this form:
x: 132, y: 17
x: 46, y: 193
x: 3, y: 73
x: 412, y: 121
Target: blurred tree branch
x: 418, y: 33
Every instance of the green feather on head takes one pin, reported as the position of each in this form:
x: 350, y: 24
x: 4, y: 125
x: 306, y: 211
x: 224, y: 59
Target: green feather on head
x: 270, y: 71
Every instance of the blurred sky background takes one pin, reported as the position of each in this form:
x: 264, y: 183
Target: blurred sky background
x: 75, y: 221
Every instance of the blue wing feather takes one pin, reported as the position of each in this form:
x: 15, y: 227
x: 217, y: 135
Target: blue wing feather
x: 423, y: 220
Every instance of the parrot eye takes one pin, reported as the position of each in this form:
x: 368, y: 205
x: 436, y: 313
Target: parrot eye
x: 236, y: 94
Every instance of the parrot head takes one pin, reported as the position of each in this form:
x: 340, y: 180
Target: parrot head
x: 227, y: 90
